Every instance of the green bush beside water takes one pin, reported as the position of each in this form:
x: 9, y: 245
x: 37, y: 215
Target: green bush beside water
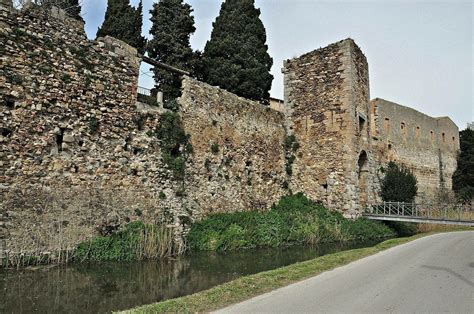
x: 294, y: 220
x: 136, y: 241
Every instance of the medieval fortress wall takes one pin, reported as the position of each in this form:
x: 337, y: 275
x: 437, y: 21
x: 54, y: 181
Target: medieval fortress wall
x: 69, y: 119
x: 71, y: 124
x: 427, y: 146
x: 327, y: 97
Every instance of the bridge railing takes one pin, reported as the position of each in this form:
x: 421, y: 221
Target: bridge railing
x: 431, y: 211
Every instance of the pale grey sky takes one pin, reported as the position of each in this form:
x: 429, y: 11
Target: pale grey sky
x: 420, y: 53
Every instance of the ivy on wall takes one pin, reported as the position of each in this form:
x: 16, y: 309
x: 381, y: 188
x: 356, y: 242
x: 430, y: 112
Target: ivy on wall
x: 291, y: 146
x: 174, y: 143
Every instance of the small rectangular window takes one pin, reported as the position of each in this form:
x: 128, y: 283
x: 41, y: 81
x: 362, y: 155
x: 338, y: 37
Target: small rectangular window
x: 386, y: 124
x: 403, y: 128
x: 443, y: 136
x: 361, y: 125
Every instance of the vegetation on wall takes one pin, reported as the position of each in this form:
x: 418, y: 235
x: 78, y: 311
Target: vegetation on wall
x: 236, y: 57
x: 124, y: 22
x: 291, y: 146
x: 294, y: 220
x: 174, y: 143
x: 172, y: 27
x: 463, y: 177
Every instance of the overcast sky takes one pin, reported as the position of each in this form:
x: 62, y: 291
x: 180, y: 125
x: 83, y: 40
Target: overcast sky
x: 420, y: 53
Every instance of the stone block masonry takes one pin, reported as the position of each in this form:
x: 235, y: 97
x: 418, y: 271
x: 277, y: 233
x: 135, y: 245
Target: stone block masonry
x: 427, y: 146
x: 238, y: 161
x: 327, y: 95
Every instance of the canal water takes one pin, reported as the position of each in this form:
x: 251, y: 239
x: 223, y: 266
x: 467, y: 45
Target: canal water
x: 106, y: 287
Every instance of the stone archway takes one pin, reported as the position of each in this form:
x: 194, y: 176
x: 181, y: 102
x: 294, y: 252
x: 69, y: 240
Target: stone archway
x: 362, y: 174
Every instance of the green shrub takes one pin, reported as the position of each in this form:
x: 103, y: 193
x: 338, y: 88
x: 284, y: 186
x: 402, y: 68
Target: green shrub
x: 174, y: 143
x: 290, y: 145
x: 403, y: 229
x: 398, y: 184
x: 135, y: 242
x: 294, y: 220
x: 214, y: 148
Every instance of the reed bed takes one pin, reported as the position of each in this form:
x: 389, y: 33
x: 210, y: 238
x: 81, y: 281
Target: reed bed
x: 458, y: 212
x: 46, y: 224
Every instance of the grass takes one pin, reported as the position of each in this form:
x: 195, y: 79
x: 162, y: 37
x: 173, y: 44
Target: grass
x: 137, y: 241
x: 247, y: 287
x: 294, y: 220
x: 456, y: 213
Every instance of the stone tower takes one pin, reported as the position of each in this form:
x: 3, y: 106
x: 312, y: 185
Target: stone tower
x: 327, y: 101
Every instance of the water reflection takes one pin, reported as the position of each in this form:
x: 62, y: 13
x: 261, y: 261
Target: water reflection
x: 99, y: 288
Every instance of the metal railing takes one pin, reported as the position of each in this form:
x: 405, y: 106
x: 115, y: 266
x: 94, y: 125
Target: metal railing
x: 144, y: 95
x: 433, y: 212
x: 144, y: 91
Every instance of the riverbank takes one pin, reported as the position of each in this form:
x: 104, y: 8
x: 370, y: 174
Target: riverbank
x: 117, y: 286
x: 249, y: 286
x: 294, y: 220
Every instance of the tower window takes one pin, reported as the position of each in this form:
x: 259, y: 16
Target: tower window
x: 403, y: 128
x: 361, y: 125
x: 386, y: 124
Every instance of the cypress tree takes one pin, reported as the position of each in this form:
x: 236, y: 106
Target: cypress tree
x: 139, y: 41
x: 172, y: 27
x: 123, y: 22
x: 236, y: 57
x: 463, y: 177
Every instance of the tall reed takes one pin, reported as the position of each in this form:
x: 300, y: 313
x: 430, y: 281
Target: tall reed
x: 46, y: 223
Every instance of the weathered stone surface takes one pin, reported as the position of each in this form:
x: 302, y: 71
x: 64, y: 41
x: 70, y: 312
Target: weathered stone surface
x: 246, y: 171
x: 344, y: 144
x: 425, y: 145
x: 326, y: 92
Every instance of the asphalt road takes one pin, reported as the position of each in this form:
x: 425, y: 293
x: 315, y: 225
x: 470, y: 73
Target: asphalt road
x: 430, y: 275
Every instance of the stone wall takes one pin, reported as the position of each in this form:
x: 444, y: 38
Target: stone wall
x: 428, y: 146
x: 238, y: 161
x: 326, y: 94
x: 69, y: 123
x: 71, y: 127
